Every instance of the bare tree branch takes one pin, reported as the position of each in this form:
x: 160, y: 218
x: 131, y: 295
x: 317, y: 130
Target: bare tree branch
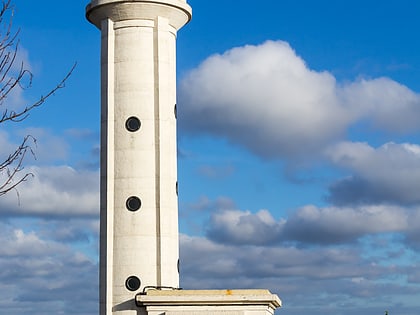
x: 23, y: 114
x: 14, y: 164
x: 14, y: 75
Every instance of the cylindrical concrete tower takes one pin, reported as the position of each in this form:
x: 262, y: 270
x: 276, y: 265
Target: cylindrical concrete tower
x: 139, y: 210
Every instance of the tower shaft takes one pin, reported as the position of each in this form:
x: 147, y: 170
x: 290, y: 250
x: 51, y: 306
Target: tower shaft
x: 139, y: 211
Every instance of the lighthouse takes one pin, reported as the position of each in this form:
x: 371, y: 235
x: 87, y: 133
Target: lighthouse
x: 138, y: 204
x: 139, y: 256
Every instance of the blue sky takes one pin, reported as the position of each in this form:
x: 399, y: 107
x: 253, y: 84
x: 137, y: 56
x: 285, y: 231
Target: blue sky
x: 299, y: 156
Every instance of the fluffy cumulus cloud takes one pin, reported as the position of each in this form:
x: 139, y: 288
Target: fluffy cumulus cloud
x: 315, y: 280
x: 267, y: 99
x: 42, y: 276
x: 333, y: 225
x: 311, y: 225
x: 387, y: 174
x: 49, y: 228
x: 388, y: 104
x: 49, y: 232
x: 316, y: 259
x: 263, y: 97
x: 50, y: 190
x: 244, y: 227
x: 54, y: 191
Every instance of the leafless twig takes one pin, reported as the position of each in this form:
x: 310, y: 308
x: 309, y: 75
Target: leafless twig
x: 14, y: 75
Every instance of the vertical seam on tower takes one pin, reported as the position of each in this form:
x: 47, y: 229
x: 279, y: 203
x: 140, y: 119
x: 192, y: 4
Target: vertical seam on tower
x: 157, y: 151
x: 109, y: 125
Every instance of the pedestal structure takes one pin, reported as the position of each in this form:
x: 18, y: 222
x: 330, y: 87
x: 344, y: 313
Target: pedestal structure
x: 139, y: 206
x: 209, y: 302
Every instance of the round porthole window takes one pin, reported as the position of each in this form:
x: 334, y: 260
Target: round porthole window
x: 133, y: 203
x: 132, y: 283
x: 133, y: 124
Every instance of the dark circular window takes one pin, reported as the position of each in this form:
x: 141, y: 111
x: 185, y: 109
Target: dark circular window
x: 176, y: 188
x: 175, y: 111
x: 132, y: 283
x: 133, y: 203
x: 133, y: 124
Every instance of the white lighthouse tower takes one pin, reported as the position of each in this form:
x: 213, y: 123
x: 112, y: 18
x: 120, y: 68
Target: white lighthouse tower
x: 139, y: 212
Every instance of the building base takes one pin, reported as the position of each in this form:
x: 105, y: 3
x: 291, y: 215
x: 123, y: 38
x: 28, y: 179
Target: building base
x: 207, y: 302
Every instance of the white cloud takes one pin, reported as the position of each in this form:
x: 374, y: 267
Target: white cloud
x: 55, y: 191
x: 389, y: 173
x: 243, y: 227
x: 28, y: 244
x: 73, y: 230
x: 321, y: 279
x: 41, y: 272
x: 311, y: 225
x: 267, y: 99
x: 390, y: 105
x: 317, y: 257
x: 334, y: 225
x: 263, y: 97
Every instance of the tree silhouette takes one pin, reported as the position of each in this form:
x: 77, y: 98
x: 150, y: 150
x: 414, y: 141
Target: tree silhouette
x: 14, y: 76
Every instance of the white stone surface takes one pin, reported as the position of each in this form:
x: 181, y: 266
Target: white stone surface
x: 138, y: 60
x: 209, y: 302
